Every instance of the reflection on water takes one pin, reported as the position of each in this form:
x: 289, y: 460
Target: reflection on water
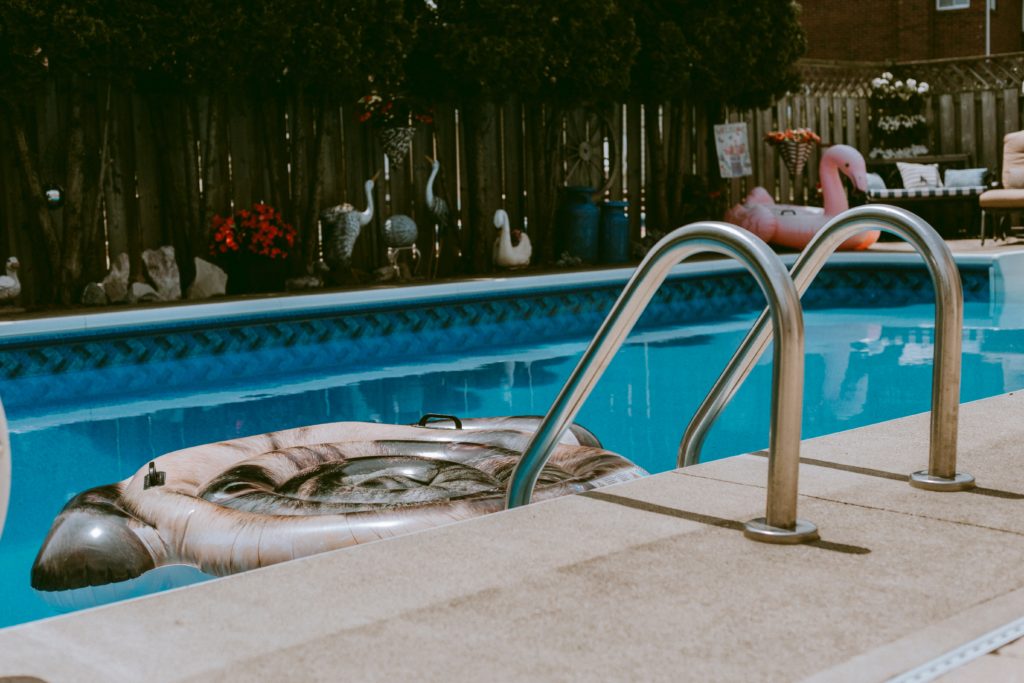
x: 861, y: 367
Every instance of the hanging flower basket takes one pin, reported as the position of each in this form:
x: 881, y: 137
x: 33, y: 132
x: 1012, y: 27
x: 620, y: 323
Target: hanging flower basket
x: 795, y: 155
x: 794, y: 147
x: 396, y: 141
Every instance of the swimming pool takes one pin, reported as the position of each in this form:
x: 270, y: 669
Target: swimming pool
x: 90, y: 406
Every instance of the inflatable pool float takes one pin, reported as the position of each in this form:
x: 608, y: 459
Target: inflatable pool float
x: 251, y: 502
x: 792, y: 225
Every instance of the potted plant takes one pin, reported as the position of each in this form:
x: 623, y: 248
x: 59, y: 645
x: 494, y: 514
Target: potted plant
x: 794, y: 145
x: 393, y: 116
x: 252, y: 245
x: 898, y: 125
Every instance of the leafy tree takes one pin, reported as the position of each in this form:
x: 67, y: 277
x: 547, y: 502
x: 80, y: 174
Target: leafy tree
x: 299, y: 57
x: 731, y: 53
x: 478, y: 53
x: 73, y: 44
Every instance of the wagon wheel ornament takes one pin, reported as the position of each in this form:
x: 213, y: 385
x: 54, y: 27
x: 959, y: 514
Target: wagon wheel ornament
x: 590, y: 151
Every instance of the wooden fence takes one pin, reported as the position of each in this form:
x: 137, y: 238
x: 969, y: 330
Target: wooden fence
x: 172, y: 163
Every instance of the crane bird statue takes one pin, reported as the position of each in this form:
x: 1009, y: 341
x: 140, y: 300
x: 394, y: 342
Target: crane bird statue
x: 400, y: 233
x: 342, y: 225
x: 512, y: 248
x: 10, y: 286
x: 448, y: 253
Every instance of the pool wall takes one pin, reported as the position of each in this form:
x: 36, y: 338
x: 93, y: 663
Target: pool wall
x: 138, y: 349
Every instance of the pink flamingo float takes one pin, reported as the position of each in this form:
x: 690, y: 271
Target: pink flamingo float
x: 790, y: 225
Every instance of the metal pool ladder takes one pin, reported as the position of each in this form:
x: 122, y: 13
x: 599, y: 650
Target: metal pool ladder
x: 780, y: 523
x: 941, y: 474
x: 5, y: 468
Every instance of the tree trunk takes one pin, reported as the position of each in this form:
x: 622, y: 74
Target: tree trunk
x: 307, y: 141
x: 657, y: 214
x: 300, y: 171
x: 170, y: 130
x: 95, y: 267
x: 678, y: 162
x: 275, y: 147
x: 316, y: 188
x: 211, y: 161
x: 712, y: 173
x: 70, y: 272
x: 484, y: 182
x: 541, y: 182
x: 30, y: 174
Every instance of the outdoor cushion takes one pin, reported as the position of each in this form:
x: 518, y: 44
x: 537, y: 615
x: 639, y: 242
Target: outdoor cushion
x: 919, y: 175
x: 925, y: 192
x: 965, y: 177
x: 1013, y: 160
x: 875, y: 182
x: 1002, y: 199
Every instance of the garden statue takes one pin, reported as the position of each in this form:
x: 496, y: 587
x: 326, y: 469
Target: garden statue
x: 436, y: 205
x: 448, y: 254
x: 512, y: 248
x: 400, y: 234
x: 10, y: 286
x: 793, y: 226
x: 342, y: 225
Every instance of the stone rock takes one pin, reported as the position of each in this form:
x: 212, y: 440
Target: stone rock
x: 294, y: 284
x: 115, y: 284
x: 314, y: 279
x: 210, y: 281
x: 162, y: 271
x: 140, y: 292
x: 385, y: 274
x: 94, y: 295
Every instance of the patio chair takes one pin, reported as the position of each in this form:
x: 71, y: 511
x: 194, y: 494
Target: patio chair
x: 1000, y: 203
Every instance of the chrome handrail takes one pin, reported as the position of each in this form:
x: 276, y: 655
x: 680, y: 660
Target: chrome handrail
x: 941, y: 473
x: 5, y: 468
x: 780, y: 523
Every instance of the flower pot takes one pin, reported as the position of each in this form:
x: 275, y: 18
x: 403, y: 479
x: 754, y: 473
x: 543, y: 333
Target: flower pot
x: 254, y: 274
x: 795, y: 155
x: 614, y: 232
x: 578, y: 223
x: 396, y: 141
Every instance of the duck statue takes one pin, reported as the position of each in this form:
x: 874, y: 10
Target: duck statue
x: 10, y: 286
x: 793, y: 226
x: 342, y: 225
x: 512, y: 248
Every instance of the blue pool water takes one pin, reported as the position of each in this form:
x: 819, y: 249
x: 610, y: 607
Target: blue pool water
x: 863, y: 366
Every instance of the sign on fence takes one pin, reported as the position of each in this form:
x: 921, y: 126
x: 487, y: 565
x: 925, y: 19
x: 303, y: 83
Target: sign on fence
x: 733, y: 153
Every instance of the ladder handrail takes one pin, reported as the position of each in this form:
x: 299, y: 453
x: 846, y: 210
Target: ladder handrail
x: 941, y: 473
x: 780, y: 523
x: 5, y: 468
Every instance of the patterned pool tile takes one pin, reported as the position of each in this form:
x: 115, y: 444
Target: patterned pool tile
x: 74, y: 367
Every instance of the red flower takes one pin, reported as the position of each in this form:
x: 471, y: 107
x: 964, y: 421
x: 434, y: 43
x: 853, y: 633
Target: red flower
x: 259, y: 230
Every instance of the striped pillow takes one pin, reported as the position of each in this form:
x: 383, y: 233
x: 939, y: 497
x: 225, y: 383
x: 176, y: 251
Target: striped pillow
x: 919, y: 175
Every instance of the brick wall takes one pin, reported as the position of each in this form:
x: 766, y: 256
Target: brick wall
x: 901, y: 30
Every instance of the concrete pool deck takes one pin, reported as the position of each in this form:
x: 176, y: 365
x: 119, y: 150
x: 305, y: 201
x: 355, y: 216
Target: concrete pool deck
x: 649, y: 580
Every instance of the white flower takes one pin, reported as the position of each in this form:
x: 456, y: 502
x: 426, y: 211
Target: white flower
x: 898, y: 84
x: 911, y: 83
x: 887, y: 76
x: 877, y: 83
x: 922, y: 87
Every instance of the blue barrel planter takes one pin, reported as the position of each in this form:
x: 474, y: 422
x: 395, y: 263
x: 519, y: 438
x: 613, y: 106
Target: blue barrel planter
x: 614, y: 233
x: 578, y: 219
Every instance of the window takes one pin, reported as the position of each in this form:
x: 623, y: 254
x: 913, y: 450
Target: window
x: 952, y: 4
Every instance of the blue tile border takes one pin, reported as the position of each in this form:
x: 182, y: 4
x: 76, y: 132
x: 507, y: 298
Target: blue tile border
x: 235, y: 344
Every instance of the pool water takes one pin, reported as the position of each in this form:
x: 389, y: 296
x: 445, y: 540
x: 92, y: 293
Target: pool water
x: 862, y: 366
